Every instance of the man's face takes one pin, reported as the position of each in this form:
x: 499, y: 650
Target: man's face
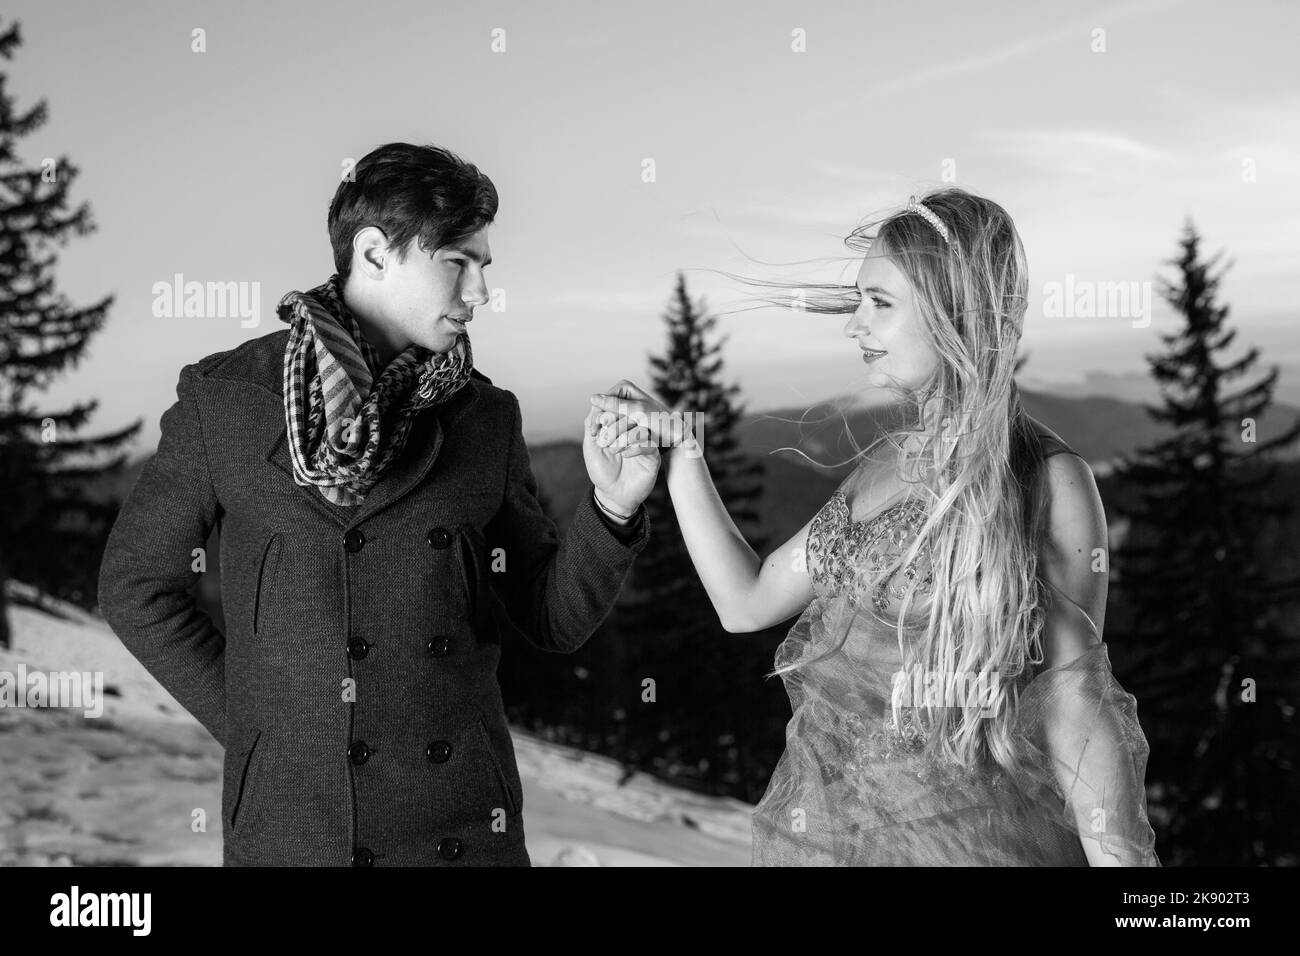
x: 426, y: 295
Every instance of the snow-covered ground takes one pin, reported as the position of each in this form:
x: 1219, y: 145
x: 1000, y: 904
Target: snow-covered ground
x: 78, y: 791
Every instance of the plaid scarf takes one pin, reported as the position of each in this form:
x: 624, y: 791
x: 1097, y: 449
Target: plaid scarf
x: 346, y: 427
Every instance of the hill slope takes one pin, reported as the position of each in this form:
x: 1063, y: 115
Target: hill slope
x: 122, y: 788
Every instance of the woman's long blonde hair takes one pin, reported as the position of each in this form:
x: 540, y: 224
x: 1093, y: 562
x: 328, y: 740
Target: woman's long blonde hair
x: 969, y: 433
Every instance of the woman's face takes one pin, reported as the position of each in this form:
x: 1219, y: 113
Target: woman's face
x: 887, y: 326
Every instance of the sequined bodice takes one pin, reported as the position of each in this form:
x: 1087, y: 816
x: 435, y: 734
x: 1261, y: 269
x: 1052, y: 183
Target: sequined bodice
x: 848, y: 561
x: 849, y: 555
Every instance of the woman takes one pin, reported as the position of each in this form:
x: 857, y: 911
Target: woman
x: 953, y: 700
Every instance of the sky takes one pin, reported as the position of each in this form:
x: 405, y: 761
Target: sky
x: 774, y: 129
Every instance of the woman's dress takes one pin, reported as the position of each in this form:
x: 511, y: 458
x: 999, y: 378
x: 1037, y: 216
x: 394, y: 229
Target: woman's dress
x: 852, y: 789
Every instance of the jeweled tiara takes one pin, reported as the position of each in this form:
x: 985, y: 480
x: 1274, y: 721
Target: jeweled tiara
x: 929, y: 216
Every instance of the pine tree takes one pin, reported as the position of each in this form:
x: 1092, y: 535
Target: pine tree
x: 51, y: 532
x: 665, y: 620
x: 1216, y: 671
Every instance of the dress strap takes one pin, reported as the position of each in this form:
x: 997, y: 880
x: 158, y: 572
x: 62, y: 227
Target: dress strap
x: 1053, y: 444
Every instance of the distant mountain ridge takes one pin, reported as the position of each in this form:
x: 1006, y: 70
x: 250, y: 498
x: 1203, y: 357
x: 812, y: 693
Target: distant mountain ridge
x: 1138, y: 386
x: 1099, y: 428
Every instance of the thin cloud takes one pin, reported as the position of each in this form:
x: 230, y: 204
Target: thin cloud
x: 953, y: 69
x: 1088, y: 144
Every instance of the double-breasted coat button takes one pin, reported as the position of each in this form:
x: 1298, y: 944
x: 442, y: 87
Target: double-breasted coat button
x: 354, y: 540
x: 438, y: 647
x: 439, y: 537
x: 358, y: 752
x: 362, y: 856
x: 358, y: 648
x: 450, y: 848
x: 439, y: 751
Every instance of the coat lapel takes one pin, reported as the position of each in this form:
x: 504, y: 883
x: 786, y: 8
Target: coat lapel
x: 278, y: 455
x: 421, y: 451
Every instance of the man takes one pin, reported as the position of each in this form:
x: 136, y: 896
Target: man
x: 379, y: 522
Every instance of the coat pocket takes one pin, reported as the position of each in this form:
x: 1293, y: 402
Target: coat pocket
x: 472, y: 550
x: 267, y: 567
x: 513, y: 804
x: 239, y: 777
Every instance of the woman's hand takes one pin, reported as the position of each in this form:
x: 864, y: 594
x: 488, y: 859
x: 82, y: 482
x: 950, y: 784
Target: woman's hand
x: 630, y: 417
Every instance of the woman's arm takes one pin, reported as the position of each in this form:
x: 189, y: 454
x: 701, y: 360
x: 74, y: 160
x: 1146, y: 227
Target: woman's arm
x: 1073, y: 560
x: 748, y: 595
x: 1084, y: 741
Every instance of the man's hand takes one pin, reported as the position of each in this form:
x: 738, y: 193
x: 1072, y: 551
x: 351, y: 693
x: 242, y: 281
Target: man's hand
x: 623, y: 471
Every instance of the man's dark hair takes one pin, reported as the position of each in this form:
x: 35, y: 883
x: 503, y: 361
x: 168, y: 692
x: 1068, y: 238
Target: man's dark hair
x: 410, y: 192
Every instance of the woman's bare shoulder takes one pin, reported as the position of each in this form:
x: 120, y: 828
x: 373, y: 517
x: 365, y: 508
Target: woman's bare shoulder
x: 1074, y: 502
x: 874, y: 480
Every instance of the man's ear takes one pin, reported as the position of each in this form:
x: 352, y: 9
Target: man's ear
x: 370, y: 253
